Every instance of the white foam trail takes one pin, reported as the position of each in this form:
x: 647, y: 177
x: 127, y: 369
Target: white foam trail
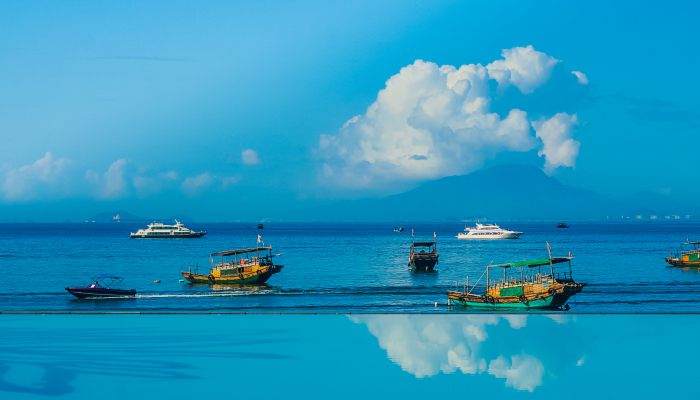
x: 228, y: 294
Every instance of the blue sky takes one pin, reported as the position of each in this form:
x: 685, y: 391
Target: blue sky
x: 150, y: 107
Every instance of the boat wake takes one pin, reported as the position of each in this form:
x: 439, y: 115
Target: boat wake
x: 197, y: 295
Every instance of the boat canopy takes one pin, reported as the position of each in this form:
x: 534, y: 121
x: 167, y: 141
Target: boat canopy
x: 423, y: 244
x: 241, y: 251
x: 533, y: 263
x: 695, y: 243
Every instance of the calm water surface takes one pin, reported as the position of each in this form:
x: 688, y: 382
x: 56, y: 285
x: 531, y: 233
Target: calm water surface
x: 337, y: 267
x: 404, y: 356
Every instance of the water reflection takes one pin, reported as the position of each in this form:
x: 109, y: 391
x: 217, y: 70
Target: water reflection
x: 509, y: 347
x: 48, y: 359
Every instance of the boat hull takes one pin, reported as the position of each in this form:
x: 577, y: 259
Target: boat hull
x: 550, y: 301
x: 512, y: 235
x: 168, y: 236
x: 543, y: 303
x: 676, y: 262
x: 423, y: 264
x: 100, y: 293
x: 243, y: 279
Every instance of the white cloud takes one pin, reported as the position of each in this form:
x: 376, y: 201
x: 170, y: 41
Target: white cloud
x: 194, y: 185
x: 580, y: 77
x: 431, y: 121
x: 197, y: 184
x: 428, y: 122
x: 523, y: 67
x: 112, y: 184
x: 524, y: 372
x: 43, y: 176
x: 250, y: 157
x: 559, y: 148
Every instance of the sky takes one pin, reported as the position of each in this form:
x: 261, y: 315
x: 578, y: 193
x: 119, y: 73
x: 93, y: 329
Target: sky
x: 225, y: 110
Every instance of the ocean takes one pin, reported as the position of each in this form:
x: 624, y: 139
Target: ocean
x: 405, y: 356
x: 338, y: 267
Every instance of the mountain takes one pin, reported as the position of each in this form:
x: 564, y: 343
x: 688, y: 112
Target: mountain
x: 502, y: 192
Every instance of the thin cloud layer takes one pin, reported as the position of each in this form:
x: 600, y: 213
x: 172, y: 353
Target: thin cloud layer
x: 52, y: 178
x: 111, y: 184
x: 431, y: 121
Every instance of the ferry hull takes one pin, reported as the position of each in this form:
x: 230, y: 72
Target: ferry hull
x: 168, y: 236
x: 251, y: 279
x: 465, y: 236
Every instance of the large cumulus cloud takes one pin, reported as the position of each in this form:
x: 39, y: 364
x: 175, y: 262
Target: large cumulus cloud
x: 431, y: 121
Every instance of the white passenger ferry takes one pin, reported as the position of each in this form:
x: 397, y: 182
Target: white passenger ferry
x: 487, y: 232
x: 158, y: 230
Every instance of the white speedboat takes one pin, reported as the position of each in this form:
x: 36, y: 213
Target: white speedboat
x: 487, y: 232
x: 158, y: 230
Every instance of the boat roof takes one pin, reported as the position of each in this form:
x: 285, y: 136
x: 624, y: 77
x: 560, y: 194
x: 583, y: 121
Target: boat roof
x: 423, y: 244
x: 694, y: 242
x: 532, y: 263
x: 241, y: 251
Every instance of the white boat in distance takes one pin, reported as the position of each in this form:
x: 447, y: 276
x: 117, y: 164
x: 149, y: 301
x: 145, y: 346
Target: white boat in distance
x: 157, y: 230
x: 487, y: 232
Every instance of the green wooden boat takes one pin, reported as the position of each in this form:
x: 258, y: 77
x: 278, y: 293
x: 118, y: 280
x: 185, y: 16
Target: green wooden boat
x: 530, y: 289
x: 686, y: 258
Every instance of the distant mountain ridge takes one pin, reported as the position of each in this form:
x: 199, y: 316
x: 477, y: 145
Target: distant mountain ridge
x: 502, y: 192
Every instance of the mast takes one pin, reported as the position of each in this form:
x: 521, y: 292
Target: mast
x: 487, y: 281
x: 551, y: 265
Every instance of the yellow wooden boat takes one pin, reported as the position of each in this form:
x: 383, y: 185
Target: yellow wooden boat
x: 686, y: 258
x: 251, y: 266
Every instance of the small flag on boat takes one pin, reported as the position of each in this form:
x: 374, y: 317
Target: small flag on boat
x: 412, y: 232
x: 570, y: 255
x: 549, y: 249
x: 259, y: 238
x: 434, y: 236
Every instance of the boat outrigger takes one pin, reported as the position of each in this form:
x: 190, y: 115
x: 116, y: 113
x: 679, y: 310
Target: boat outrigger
x: 686, y: 258
x: 102, y: 287
x: 530, y: 290
x: 252, y: 266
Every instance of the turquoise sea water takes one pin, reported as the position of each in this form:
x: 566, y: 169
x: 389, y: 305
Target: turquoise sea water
x: 338, y: 268
x: 348, y: 357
